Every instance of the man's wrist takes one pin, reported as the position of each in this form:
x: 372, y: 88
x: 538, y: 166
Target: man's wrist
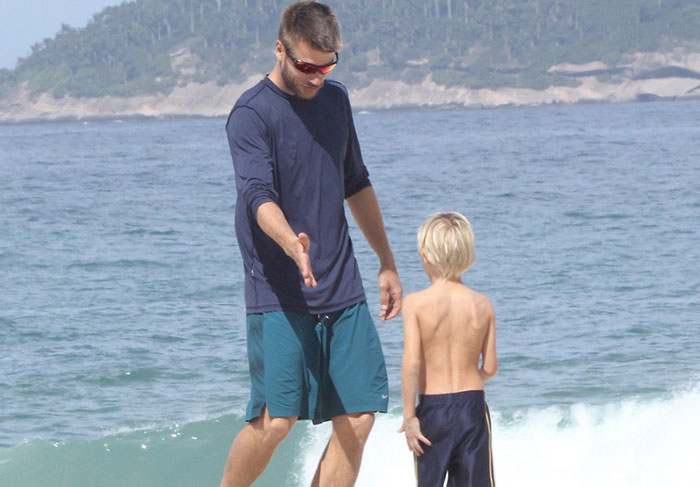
x: 289, y: 244
x: 386, y: 262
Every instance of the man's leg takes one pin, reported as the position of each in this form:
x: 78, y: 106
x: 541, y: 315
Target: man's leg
x: 341, y: 460
x: 252, y: 449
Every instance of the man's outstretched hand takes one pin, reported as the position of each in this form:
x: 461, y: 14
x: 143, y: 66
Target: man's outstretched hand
x: 300, y: 253
x: 273, y: 222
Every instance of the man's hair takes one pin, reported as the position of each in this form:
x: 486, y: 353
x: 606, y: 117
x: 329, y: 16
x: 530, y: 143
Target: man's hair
x: 312, y: 22
x: 447, y: 240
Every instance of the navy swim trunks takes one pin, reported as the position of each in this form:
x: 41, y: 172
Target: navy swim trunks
x: 459, y: 427
x: 315, y: 366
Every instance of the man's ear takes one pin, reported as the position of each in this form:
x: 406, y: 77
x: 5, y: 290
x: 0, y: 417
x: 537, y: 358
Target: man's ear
x: 279, y: 51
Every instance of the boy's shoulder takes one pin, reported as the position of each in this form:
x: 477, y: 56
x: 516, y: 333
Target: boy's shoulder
x: 420, y: 299
x: 481, y: 301
x: 477, y: 296
x: 413, y: 299
x: 413, y: 303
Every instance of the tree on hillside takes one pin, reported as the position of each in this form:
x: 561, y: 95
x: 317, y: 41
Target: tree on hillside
x: 134, y: 47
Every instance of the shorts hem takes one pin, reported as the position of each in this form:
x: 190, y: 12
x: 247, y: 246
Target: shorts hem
x: 361, y: 408
x: 274, y: 413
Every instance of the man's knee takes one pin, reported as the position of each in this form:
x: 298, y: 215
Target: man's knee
x: 362, y: 424
x: 277, y: 429
x: 357, y: 425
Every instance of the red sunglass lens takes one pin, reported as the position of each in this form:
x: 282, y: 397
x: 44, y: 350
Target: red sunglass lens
x: 306, y: 68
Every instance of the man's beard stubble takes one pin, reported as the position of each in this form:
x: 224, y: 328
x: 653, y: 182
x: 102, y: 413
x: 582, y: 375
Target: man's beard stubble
x: 296, y: 86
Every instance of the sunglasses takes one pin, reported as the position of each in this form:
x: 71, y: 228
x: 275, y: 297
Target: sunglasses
x: 308, y: 68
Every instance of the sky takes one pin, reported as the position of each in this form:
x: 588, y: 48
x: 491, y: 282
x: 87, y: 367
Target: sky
x: 26, y: 22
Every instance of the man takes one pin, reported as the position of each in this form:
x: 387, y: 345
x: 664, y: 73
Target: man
x: 313, y: 349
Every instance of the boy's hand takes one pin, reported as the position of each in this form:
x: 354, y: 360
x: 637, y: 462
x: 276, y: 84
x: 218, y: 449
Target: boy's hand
x: 414, y: 437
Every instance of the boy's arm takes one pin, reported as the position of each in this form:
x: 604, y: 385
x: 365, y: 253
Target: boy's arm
x: 410, y: 373
x: 489, y: 359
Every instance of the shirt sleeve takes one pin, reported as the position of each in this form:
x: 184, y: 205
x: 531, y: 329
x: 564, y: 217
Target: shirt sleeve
x: 249, y: 141
x: 356, y: 174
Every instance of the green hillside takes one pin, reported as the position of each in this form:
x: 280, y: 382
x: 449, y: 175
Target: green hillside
x: 146, y: 46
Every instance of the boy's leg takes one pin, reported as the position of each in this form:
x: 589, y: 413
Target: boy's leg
x: 472, y: 463
x: 341, y: 460
x: 431, y: 466
x: 252, y: 449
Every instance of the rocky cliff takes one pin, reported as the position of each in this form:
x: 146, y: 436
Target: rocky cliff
x: 673, y: 75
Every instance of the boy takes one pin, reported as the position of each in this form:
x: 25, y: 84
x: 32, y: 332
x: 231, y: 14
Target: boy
x: 447, y: 327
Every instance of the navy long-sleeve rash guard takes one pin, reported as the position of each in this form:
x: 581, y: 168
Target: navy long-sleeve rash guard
x: 304, y: 156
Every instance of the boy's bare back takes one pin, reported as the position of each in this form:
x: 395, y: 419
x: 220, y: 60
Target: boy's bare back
x: 455, y: 326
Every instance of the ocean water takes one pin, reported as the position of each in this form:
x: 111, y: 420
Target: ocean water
x: 122, y: 344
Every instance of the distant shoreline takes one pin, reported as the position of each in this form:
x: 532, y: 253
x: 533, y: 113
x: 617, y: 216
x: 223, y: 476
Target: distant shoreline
x: 208, y: 100
x: 356, y: 111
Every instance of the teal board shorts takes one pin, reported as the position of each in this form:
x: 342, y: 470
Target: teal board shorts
x: 315, y: 366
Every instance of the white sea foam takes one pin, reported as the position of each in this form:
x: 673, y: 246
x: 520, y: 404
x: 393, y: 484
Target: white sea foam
x: 631, y: 443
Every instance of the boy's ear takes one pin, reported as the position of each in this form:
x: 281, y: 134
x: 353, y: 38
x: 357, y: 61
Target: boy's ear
x: 424, y: 255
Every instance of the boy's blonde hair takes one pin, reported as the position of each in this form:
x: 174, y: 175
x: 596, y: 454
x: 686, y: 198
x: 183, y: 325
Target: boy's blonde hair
x: 446, y: 242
